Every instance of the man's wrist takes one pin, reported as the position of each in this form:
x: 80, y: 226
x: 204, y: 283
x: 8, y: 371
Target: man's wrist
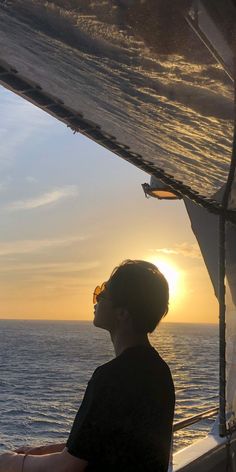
x: 11, y: 462
x: 40, y: 450
x: 23, y: 462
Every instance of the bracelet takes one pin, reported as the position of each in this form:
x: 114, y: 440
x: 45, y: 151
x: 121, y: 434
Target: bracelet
x: 23, y: 461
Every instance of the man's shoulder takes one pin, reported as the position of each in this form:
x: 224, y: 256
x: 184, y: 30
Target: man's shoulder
x: 106, y: 369
x: 136, y: 361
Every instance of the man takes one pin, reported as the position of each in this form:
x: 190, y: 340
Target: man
x: 125, y: 420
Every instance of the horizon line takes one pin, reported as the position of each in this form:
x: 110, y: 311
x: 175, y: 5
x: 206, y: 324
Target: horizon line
x: 90, y: 320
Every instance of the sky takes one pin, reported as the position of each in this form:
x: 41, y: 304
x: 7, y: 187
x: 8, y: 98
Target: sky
x: 71, y: 211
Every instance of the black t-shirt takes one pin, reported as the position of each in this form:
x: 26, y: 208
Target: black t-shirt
x: 124, y: 423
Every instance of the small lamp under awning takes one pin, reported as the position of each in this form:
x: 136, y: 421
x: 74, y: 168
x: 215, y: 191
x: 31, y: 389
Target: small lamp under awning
x: 160, y: 190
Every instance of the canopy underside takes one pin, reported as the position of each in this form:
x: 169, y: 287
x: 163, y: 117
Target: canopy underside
x: 132, y: 75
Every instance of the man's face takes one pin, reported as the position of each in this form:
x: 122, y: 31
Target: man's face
x: 104, y: 312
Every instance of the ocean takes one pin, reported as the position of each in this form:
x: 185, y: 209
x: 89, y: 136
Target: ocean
x: 45, y: 366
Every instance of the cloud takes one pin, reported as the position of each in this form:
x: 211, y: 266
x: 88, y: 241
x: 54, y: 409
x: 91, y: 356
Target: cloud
x: 184, y: 249
x: 4, y: 184
x: 22, y: 120
x: 51, y: 268
x: 45, y: 199
x: 30, y: 179
x: 36, y: 245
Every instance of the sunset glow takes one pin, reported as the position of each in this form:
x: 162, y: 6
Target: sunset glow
x: 172, y: 275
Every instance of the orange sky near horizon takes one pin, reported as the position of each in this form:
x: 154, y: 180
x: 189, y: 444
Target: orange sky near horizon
x: 55, y: 295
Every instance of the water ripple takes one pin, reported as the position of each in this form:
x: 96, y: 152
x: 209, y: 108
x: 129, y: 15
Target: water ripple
x: 45, y: 367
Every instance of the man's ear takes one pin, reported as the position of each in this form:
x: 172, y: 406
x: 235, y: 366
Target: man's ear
x: 123, y: 314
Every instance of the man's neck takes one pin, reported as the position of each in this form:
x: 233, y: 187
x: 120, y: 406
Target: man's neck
x: 121, y: 342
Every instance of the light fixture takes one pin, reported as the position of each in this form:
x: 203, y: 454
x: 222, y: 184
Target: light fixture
x: 160, y: 190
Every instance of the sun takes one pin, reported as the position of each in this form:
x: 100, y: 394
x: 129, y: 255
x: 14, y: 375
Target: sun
x: 172, y: 275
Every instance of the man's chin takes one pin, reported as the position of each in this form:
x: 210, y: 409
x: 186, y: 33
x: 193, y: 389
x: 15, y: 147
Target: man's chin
x: 99, y: 324
x: 96, y: 322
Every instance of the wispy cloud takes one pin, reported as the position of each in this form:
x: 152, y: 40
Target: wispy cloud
x: 183, y: 249
x: 50, y: 268
x: 44, y: 199
x: 36, y: 245
x: 30, y: 179
x: 31, y: 119
x: 4, y: 184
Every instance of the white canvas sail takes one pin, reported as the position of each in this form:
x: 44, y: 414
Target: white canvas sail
x: 136, y: 71
x: 206, y: 229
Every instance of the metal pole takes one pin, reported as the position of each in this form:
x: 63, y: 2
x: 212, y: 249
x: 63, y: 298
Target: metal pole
x: 222, y: 307
x: 222, y: 328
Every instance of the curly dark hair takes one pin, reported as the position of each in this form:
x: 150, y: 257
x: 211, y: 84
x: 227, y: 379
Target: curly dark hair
x: 143, y: 290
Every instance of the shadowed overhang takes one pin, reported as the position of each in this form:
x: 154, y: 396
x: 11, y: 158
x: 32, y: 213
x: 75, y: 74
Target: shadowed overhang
x: 148, y: 80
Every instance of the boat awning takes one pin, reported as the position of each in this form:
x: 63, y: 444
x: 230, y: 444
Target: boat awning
x: 150, y: 80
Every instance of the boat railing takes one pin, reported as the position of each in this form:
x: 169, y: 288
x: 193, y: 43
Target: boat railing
x: 195, y: 419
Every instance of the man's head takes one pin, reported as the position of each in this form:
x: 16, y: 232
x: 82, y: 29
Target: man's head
x: 138, y: 289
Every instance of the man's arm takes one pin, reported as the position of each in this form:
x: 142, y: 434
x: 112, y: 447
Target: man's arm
x: 59, y: 461
x: 41, y: 450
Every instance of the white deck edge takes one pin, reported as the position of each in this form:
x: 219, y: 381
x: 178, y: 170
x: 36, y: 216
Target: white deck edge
x: 199, y: 449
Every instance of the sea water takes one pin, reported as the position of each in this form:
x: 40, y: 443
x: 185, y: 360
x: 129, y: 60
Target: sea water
x: 45, y: 367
